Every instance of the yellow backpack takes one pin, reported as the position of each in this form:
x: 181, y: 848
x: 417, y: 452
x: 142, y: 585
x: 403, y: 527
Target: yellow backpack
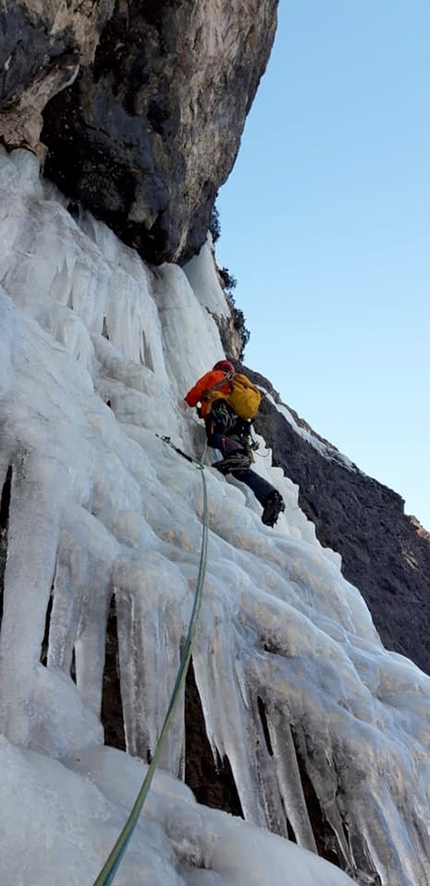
x: 244, y: 398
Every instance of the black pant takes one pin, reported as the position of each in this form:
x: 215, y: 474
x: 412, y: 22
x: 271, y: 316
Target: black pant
x: 229, y: 433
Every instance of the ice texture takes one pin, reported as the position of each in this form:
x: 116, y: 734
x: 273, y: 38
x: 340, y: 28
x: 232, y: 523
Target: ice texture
x: 203, y: 277
x: 61, y: 823
x: 296, y: 688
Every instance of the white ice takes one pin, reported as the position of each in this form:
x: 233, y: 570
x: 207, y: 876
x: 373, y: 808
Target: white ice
x: 95, y: 350
x: 63, y: 820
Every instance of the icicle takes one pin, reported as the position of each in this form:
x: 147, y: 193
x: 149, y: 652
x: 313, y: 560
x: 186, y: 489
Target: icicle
x: 288, y: 773
x: 100, y: 501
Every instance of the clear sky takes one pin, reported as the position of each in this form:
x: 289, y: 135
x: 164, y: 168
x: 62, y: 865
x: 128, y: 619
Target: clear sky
x: 325, y: 223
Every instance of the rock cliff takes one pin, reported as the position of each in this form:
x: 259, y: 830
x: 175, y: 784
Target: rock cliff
x: 143, y: 107
x: 137, y: 110
x: 43, y: 43
x: 385, y: 553
x: 151, y: 126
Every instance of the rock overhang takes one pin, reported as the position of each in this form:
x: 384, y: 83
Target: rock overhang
x: 150, y: 127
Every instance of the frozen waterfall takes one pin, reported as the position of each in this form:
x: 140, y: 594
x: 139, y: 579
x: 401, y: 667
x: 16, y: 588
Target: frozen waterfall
x: 96, y: 349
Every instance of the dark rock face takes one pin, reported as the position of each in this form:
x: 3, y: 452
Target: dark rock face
x: 26, y: 48
x: 144, y: 105
x: 149, y: 131
x: 42, y: 43
x: 385, y: 553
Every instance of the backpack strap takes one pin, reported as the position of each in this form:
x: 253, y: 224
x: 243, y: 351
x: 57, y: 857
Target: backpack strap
x: 228, y: 377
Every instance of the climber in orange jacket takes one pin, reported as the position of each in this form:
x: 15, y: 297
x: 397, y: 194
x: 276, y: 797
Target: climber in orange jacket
x: 207, y: 382
x: 229, y: 433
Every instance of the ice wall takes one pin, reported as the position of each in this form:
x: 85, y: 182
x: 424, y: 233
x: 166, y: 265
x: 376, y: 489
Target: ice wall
x: 296, y: 688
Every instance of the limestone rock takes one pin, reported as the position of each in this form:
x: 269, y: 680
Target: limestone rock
x: 43, y: 42
x: 385, y: 553
x: 149, y: 131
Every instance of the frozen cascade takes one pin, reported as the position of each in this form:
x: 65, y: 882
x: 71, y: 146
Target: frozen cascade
x: 95, y: 351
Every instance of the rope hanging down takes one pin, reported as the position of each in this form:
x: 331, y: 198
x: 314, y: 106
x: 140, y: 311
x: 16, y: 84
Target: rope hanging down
x: 106, y: 875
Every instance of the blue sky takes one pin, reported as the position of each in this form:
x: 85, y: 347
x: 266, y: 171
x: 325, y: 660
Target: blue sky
x: 325, y: 223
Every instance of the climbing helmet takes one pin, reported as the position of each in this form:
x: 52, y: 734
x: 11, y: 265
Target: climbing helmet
x: 225, y: 366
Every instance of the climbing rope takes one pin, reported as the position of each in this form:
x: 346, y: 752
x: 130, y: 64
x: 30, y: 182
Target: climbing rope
x: 106, y: 875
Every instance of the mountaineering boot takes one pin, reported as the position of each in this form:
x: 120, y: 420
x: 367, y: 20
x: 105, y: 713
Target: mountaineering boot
x: 273, y: 506
x: 234, y: 461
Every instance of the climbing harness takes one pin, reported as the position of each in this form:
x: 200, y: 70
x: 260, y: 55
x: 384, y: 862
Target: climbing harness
x: 106, y: 875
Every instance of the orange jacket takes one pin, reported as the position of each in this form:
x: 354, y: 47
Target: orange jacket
x: 205, y: 383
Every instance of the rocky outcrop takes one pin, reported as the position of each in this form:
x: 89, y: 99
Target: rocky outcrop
x: 231, y: 335
x: 148, y: 133
x: 43, y: 42
x: 385, y: 553
x: 144, y: 104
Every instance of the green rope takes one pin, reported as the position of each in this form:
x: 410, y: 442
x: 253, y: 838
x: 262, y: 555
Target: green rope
x: 111, y: 865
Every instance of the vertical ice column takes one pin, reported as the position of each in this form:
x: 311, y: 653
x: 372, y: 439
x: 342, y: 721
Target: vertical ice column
x: 224, y: 693
x: 35, y: 507
x: 191, y: 339
x: 80, y: 602
x: 150, y: 597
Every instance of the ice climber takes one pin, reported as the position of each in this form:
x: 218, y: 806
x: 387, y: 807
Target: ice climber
x: 230, y: 434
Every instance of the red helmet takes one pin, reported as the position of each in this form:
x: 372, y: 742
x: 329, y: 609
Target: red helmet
x: 225, y: 366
